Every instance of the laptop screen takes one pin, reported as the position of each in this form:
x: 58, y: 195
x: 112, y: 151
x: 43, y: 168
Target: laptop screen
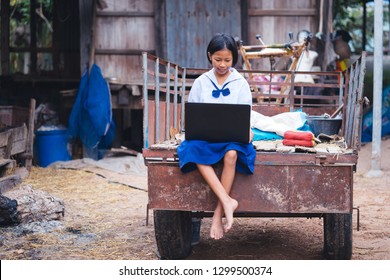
x: 217, y: 122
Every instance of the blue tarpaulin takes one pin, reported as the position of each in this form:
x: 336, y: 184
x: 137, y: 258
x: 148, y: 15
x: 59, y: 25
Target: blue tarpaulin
x: 91, y: 117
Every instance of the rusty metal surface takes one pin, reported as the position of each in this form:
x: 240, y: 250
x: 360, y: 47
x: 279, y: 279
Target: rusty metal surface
x: 264, y: 158
x: 271, y: 189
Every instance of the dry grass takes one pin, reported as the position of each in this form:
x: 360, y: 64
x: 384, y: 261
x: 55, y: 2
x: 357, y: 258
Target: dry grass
x: 102, y: 220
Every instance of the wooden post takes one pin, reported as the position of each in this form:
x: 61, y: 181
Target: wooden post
x: 85, y: 12
x: 92, y: 45
x: 30, y: 135
x: 327, y: 29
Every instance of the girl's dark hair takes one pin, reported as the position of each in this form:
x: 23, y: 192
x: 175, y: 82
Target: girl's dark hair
x: 221, y: 41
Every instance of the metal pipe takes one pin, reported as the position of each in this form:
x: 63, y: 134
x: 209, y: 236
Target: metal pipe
x: 157, y: 99
x: 176, y: 82
x: 167, y: 102
x: 341, y: 92
x: 183, y: 95
x: 145, y: 97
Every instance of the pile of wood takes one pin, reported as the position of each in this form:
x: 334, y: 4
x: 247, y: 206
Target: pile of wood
x: 21, y: 203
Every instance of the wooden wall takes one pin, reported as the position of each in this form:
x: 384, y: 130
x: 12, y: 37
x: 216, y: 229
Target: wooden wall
x: 273, y: 20
x: 179, y: 30
x: 190, y: 25
x: 123, y: 30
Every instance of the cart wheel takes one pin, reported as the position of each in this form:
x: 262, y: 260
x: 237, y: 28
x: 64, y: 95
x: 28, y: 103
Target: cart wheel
x: 173, y: 232
x: 338, y: 236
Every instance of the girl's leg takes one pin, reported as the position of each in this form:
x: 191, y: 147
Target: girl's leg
x: 227, y: 178
x: 222, y: 189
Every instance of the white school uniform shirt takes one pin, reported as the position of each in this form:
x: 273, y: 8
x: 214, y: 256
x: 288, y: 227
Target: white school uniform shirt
x: 201, y: 90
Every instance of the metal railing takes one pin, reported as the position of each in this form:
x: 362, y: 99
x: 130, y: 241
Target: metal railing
x: 166, y: 86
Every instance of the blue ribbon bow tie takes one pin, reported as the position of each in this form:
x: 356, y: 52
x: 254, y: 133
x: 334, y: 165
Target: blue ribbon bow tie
x: 217, y: 92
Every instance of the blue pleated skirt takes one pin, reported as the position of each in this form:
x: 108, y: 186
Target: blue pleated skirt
x: 191, y: 152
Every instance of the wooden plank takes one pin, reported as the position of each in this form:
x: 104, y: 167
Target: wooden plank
x: 123, y: 30
x: 30, y: 136
x: 31, y: 49
x: 125, y: 33
x: 124, y: 68
x: 13, y: 141
x: 141, y: 6
x: 121, y: 51
x: 10, y: 145
x: 13, y: 115
x: 134, y: 102
x: 282, y: 12
x: 123, y: 14
x: 4, y: 138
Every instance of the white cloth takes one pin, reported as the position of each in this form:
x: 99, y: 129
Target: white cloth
x: 306, y: 64
x: 202, y: 89
x: 279, y: 123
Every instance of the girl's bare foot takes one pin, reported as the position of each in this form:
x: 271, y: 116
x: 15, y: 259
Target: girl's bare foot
x: 229, y: 209
x: 216, y: 230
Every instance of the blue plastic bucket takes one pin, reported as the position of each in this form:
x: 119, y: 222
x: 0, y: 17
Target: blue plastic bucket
x: 51, y: 146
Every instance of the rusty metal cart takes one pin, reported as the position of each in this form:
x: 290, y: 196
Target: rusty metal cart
x: 300, y: 183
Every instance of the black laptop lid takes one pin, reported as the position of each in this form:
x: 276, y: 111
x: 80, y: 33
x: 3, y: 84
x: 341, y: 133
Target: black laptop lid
x: 217, y: 122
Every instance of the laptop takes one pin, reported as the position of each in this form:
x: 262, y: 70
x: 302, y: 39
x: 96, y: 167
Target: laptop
x: 217, y: 122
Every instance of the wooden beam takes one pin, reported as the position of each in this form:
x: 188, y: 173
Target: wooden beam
x: 123, y: 14
x: 281, y: 12
x: 85, y: 14
x: 121, y: 52
x: 244, y: 21
x: 92, y: 48
x: 160, y: 28
x: 31, y: 49
x: 30, y: 135
x: 4, y: 41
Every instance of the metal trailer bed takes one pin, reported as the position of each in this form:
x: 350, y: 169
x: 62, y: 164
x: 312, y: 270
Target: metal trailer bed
x: 296, y: 182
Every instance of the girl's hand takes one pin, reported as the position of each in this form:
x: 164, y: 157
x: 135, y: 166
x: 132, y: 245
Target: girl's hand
x: 250, y: 135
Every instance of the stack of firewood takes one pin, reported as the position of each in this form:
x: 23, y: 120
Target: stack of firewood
x: 21, y: 203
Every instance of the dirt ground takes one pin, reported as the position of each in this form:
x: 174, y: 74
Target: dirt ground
x: 106, y: 219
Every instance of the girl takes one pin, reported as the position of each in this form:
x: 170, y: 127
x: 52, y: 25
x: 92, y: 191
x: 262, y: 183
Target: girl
x: 222, y: 84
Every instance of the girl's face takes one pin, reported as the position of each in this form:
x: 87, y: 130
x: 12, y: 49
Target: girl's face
x: 222, y: 61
